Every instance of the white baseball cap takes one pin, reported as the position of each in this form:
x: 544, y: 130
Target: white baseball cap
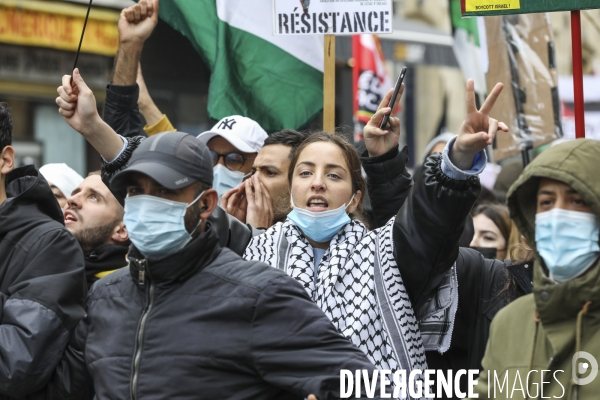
x: 244, y: 134
x: 62, y: 176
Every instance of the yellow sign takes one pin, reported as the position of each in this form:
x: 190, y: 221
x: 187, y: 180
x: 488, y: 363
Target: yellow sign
x: 40, y: 26
x: 491, y: 5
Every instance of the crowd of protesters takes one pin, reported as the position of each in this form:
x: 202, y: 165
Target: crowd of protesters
x: 241, y: 265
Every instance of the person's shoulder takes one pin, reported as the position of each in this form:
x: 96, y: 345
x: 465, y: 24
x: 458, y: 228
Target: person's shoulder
x: 231, y: 268
x: 468, y: 256
x: 471, y: 261
x: 517, y: 314
x: 47, y: 231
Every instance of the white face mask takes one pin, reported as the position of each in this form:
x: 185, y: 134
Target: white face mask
x: 225, y: 179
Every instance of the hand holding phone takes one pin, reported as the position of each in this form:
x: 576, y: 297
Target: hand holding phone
x: 397, y: 87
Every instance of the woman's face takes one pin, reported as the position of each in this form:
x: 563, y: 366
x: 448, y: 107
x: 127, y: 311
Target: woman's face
x: 322, y: 180
x: 487, y: 234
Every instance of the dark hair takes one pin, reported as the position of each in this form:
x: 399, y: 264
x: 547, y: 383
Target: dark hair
x: 200, y: 187
x: 499, y: 215
x: 352, y: 159
x: 6, y: 126
x: 486, y: 196
x: 287, y: 137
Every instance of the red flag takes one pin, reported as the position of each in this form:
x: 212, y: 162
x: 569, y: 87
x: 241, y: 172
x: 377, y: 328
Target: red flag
x: 369, y: 75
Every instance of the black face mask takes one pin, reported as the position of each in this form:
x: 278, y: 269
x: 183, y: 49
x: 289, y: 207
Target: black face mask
x: 486, y: 252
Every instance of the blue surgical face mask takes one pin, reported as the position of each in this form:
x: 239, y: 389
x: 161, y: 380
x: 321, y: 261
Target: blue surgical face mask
x: 320, y: 226
x: 156, y: 226
x: 567, y: 241
x: 225, y: 179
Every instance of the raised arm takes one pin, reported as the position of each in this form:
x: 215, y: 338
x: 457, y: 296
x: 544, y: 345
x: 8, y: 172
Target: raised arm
x: 78, y: 107
x: 156, y: 121
x: 388, y: 181
x: 428, y: 226
x: 136, y: 24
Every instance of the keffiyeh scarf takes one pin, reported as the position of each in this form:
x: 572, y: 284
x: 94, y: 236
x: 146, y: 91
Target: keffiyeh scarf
x: 360, y: 289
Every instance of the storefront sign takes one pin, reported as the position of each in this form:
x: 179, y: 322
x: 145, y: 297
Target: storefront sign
x: 46, y: 66
x: 29, y: 26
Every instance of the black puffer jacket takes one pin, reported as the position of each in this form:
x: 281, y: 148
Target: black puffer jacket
x: 203, y: 324
x: 42, y: 284
x: 481, y: 282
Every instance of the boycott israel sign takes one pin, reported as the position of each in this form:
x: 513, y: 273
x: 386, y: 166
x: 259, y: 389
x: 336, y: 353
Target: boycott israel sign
x: 338, y: 17
x: 498, y: 7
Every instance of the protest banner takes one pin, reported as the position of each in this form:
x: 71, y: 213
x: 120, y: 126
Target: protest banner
x: 330, y: 18
x: 503, y: 7
x: 521, y: 51
x: 347, y: 17
x: 500, y: 7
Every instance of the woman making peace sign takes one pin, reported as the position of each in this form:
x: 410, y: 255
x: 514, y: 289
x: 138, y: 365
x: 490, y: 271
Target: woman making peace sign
x: 353, y: 274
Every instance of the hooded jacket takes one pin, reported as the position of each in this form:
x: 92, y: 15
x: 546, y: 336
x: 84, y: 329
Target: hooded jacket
x: 42, y: 283
x: 202, y: 324
x: 541, y: 332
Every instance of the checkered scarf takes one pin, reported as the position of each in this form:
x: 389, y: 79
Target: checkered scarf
x: 360, y: 289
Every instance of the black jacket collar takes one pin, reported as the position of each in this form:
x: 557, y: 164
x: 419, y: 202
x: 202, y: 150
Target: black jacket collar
x: 523, y: 275
x: 107, y: 257
x: 181, y: 265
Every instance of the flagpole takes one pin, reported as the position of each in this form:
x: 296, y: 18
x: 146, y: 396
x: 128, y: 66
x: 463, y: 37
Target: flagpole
x: 577, y: 74
x: 329, y: 85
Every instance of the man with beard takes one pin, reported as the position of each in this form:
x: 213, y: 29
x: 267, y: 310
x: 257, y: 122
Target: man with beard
x: 95, y: 217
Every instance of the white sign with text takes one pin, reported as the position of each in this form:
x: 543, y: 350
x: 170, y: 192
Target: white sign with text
x: 337, y: 17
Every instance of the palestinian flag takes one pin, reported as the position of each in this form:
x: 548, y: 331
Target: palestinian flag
x: 275, y: 80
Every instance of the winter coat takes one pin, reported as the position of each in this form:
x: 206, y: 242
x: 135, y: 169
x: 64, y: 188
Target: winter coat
x: 42, y: 284
x: 481, y: 282
x: 543, y: 331
x: 202, y: 324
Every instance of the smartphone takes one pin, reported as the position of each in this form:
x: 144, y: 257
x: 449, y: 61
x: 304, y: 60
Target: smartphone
x: 386, y: 117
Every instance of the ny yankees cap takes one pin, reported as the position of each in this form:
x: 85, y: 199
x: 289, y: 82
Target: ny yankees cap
x: 173, y: 159
x: 243, y: 133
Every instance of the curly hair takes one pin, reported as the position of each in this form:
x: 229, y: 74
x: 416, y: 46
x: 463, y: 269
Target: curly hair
x: 6, y: 126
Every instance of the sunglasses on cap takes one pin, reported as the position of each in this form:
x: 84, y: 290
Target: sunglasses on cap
x: 232, y: 161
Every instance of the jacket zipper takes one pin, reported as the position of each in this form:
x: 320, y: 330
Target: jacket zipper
x: 142, y: 264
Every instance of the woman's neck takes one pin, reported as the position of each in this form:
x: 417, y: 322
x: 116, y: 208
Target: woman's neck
x: 322, y: 245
